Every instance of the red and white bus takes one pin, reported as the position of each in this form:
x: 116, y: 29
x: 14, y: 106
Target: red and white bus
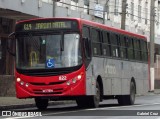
x: 76, y: 59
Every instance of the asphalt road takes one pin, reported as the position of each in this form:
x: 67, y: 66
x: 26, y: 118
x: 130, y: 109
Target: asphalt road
x: 146, y: 107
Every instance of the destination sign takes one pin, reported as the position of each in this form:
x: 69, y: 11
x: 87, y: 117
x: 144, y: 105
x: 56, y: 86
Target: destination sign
x: 46, y: 25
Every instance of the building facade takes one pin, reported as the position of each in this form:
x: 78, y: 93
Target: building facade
x: 108, y: 12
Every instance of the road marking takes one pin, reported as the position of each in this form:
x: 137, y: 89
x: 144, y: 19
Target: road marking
x: 62, y: 112
x: 123, y: 106
x: 104, y: 108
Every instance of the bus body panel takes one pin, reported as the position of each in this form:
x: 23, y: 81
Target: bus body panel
x: 90, y: 80
x: 51, y: 85
x: 116, y: 76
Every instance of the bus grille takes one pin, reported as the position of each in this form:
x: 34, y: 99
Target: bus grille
x: 50, y: 83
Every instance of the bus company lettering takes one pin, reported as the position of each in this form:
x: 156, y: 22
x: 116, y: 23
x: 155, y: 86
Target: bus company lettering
x: 48, y: 25
x: 110, y: 69
x: 27, y: 26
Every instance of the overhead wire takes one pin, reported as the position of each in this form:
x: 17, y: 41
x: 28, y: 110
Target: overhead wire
x: 109, y: 12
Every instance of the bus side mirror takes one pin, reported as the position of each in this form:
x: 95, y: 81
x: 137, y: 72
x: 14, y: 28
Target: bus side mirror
x: 87, y: 46
x: 11, y: 44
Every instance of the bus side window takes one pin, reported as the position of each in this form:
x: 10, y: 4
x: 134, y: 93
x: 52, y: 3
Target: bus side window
x: 106, y: 46
x: 123, y: 48
x: 96, y: 42
x: 130, y: 50
x: 114, y: 41
x: 137, y: 51
x: 144, y: 50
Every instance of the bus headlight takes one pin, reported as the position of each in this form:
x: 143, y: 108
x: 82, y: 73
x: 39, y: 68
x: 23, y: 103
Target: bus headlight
x: 79, y: 77
x: 22, y: 83
x: 27, y: 84
x: 18, y: 79
x: 74, y: 80
x: 68, y: 83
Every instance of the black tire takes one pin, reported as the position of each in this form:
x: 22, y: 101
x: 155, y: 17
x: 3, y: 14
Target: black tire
x: 41, y: 103
x: 82, y: 102
x: 94, y: 100
x: 131, y: 97
x: 128, y: 99
x: 121, y: 100
x: 90, y: 101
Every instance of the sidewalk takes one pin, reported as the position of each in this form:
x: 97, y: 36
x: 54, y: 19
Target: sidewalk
x: 7, y: 103
x: 13, y: 102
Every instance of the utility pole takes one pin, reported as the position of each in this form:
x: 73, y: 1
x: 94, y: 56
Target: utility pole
x: 105, y: 10
x: 152, y: 35
x: 54, y: 8
x: 123, y: 17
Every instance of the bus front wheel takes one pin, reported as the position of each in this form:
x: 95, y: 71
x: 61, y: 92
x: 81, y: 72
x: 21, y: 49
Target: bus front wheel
x: 90, y: 101
x: 41, y: 103
x: 94, y: 100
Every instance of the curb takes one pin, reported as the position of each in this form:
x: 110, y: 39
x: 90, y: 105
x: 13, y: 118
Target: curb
x: 7, y: 107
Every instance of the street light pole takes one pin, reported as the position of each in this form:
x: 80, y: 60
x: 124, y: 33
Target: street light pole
x: 152, y: 35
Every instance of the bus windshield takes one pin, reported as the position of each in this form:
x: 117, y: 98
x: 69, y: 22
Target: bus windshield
x: 48, y: 51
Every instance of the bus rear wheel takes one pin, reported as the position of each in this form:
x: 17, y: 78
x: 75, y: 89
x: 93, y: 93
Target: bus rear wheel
x: 41, y: 103
x: 128, y: 99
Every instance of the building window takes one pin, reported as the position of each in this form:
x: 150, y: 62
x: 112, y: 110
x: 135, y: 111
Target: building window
x: 158, y: 13
x: 158, y: 18
x: 48, y: 1
x: 116, y: 7
x: 86, y: 6
x: 96, y: 1
x: 74, y: 4
x: 146, y: 13
x: 132, y: 11
x: 139, y: 13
